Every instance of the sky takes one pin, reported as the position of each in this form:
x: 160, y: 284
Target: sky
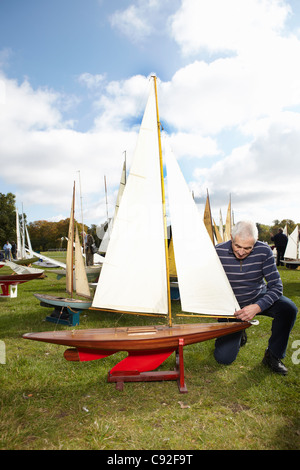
x: 74, y: 77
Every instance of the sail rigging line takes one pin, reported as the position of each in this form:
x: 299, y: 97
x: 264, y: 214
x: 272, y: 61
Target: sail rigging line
x: 163, y: 206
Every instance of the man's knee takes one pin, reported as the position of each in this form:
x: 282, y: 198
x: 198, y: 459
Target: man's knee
x: 227, y: 348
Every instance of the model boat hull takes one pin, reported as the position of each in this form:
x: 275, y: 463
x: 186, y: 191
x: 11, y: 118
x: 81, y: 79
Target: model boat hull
x: 56, y: 301
x: 19, y: 278
x: 138, y: 338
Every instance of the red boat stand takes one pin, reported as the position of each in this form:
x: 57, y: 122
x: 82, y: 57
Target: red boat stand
x: 119, y: 374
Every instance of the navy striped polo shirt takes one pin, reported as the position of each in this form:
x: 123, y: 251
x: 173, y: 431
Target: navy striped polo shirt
x: 252, y: 276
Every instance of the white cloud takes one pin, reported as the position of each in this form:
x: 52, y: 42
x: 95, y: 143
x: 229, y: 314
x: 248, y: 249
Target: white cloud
x: 143, y: 18
x: 131, y: 23
x: 41, y: 156
x: 259, y: 175
x: 191, y: 145
x: 92, y: 82
x: 219, y: 26
x: 246, y: 87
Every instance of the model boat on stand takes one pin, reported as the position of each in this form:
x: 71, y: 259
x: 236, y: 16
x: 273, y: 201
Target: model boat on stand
x: 9, y: 283
x: 135, y: 275
x: 67, y: 309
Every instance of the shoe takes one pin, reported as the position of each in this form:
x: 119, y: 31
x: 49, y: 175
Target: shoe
x: 243, y: 338
x: 273, y: 363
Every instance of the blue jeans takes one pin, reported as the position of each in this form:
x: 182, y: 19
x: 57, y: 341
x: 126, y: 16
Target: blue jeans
x: 283, y: 312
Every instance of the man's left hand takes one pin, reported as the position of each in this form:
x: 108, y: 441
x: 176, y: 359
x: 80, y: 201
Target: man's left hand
x: 247, y: 313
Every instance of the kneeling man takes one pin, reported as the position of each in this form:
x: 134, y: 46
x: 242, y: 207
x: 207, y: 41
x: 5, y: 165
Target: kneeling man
x: 251, y: 270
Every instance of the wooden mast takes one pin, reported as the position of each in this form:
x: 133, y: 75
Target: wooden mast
x: 164, y: 206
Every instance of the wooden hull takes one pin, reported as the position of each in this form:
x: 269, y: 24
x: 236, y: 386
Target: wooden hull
x: 92, y: 272
x: 158, y: 337
x: 25, y: 261
x: 19, y: 278
x: 57, y: 301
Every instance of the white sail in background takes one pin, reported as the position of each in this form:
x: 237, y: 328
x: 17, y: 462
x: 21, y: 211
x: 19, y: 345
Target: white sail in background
x: 291, y: 251
x: 121, y: 189
x: 19, y: 244
x: 104, y: 243
x: 221, y: 228
x: 228, y: 223
x: 81, y: 281
x: 203, y: 284
x: 133, y: 276
x: 29, y: 249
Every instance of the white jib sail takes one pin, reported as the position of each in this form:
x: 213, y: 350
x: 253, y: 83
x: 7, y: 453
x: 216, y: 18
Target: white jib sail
x: 203, y: 284
x: 291, y: 251
x: 133, y: 275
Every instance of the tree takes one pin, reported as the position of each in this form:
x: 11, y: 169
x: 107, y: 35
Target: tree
x: 46, y: 235
x: 7, y: 218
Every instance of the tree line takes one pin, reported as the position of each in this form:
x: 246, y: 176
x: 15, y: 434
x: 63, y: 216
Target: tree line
x: 46, y: 235
x: 43, y: 235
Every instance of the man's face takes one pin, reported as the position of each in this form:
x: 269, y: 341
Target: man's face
x: 242, y: 248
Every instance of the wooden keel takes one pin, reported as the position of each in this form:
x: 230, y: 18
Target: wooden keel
x: 85, y: 355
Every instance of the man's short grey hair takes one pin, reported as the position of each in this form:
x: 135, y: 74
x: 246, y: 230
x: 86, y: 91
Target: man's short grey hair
x: 245, y: 229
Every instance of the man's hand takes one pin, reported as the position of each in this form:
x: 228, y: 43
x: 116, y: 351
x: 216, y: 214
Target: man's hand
x: 247, y: 313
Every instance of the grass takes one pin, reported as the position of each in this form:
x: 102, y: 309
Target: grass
x: 47, y: 403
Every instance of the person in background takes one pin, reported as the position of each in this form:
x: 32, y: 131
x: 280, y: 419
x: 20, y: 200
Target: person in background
x: 89, y: 251
x: 7, y: 250
x: 251, y: 270
x: 280, y: 240
x: 14, y: 250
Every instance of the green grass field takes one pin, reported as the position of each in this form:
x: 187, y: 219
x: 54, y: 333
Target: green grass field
x: 47, y: 403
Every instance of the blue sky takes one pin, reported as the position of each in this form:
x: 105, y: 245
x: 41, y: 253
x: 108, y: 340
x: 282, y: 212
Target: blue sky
x: 73, y: 84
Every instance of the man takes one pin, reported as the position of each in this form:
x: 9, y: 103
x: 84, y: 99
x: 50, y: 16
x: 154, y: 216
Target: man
x: 280, y: 240
x: 248, y: 263
x: 7, y: 250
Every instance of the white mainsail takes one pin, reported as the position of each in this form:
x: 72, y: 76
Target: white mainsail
x: 133, y: 276
x: 203, y: 284
x: 291, y: 251
x: 81, y: 281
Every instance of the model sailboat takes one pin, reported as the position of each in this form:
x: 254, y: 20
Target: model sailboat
x: 292, y: 251
x: 135, y: 273
x: 76, y: 280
